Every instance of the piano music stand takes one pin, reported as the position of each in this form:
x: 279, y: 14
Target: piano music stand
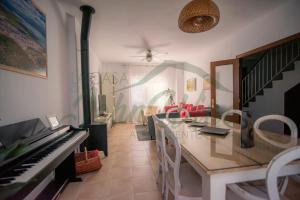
x: 53, y: 121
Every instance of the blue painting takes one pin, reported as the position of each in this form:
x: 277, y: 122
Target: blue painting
x: 23, y: 38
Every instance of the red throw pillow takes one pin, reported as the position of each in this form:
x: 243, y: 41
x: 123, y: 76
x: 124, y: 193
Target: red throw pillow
x: 194, y: 108
x: 169, y: 107
x: 182, y: 114
x: 189, y: 107
x: 200, y: 107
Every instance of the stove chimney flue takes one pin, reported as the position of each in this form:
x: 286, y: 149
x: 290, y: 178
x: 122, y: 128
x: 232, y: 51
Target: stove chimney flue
x: 87, y: 12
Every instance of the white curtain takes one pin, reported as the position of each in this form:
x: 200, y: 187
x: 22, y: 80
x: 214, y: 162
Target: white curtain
x: 151, y: 92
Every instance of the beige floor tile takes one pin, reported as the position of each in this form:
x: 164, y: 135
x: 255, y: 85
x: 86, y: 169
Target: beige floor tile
x: 142, y: 171
x: 155, y: 195
x: 145, y: 163
x: 137, y: 147
x: 127, y: 173
x: 144, y: 184
x: 120, y: 155
x: 121, y: 185
x: 120, y: 172
x: 121, y: 196
x: 95, y: 190
x: 137, y: 153
x: 99, y: 176
x: 127, y: 162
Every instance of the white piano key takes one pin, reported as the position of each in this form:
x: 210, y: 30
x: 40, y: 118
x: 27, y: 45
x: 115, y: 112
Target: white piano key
x: 40, y: 165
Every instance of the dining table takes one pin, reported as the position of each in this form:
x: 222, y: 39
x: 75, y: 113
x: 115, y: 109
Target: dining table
x: 220, y: 160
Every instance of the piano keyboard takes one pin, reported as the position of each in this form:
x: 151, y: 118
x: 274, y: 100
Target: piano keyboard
x: 31, y: 167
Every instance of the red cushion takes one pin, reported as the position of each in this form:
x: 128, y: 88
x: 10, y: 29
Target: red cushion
x: 182, y: 114
x: 200, y: 107
x: 194, y: 108
x: 169, y: 107
x: 189, y: 107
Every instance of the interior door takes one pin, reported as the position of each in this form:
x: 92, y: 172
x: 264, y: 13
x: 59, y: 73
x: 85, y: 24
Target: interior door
x: 225, y: 88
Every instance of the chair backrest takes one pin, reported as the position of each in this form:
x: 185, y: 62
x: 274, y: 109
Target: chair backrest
x: 274, y: 167
x: 159, y: 137
x: 233, y: 111
x: 172, y: 161
x: 289, y: 122
x: 284, y: 119
x: 224, y: 115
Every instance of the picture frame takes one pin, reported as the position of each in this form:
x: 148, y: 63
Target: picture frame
x: 191, y: 85
x: 23, y: 35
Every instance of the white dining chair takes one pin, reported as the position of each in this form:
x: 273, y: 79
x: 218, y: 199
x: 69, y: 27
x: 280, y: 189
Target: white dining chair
x: 225, y: 114
x: 181, y: 179
x: 274, y: 168
x: 270, y: 191
x: 160, y: 154
x: 253, y: 190
x: 233, y: 111
x: 292, y: 126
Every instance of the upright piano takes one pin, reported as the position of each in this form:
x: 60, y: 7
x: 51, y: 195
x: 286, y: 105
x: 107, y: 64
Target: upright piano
x: 36, y: 162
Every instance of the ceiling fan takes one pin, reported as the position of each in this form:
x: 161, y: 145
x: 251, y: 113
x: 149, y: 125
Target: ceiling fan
x: 148, y: 50
x: 150, y: 55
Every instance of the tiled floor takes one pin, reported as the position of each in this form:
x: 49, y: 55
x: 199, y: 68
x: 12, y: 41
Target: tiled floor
x: 128, y: 173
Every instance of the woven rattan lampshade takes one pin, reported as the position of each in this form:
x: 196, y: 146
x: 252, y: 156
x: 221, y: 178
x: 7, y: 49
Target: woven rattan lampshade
x: 199, y: 16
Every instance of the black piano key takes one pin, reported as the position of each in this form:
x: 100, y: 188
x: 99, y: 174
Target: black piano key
x: 12, y: 174
x: 19, y: 170
x: 5, y: 180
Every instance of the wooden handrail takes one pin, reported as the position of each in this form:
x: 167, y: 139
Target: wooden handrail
x: 269, y: 46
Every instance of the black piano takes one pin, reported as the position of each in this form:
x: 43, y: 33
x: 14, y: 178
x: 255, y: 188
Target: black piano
x: 36, y: 162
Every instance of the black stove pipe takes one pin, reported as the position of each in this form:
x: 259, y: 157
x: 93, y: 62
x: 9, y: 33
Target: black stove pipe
x: 87, y: 12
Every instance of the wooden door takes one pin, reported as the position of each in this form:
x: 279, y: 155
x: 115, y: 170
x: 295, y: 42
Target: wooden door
x: 225, y: 88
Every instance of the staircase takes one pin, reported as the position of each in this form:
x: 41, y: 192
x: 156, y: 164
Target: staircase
x: 269, y: 68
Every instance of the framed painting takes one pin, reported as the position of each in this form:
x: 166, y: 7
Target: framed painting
x: 23, y: 38
x: 191, y: 85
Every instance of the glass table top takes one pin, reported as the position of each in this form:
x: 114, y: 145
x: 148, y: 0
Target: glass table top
x: 215, y: 152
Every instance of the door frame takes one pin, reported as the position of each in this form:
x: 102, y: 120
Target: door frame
x: 236, y: 69
x: 236, y: 85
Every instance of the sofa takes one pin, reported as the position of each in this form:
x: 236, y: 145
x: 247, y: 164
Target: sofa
x: 194, y: 111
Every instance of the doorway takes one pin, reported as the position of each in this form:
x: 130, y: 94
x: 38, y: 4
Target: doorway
x: 225, y: 82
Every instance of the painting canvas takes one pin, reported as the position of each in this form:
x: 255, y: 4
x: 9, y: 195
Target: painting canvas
x: 23, y: 38
x: 191, y: 85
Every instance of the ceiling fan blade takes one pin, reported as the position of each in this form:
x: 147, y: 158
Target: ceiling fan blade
x: 159, y: 52
x: 141, y: 51
x: 137, y: 56
x: 133, y: 47
x: 145, y: 43
x: 160, y: 45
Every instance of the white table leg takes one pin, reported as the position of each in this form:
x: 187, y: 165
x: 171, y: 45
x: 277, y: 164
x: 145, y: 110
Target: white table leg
x: 213, y: 188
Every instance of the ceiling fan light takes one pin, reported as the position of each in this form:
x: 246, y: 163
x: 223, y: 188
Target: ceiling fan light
x: 199, y: 16
x: 149, y: 58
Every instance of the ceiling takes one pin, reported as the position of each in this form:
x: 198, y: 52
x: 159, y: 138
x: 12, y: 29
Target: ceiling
x: 119, y: 25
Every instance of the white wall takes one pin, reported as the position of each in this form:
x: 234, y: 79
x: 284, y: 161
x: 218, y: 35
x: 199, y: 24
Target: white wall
x: 279, y: 23
x: 25, y: 97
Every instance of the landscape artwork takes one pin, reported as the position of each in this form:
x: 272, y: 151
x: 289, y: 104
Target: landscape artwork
x: 23, y: 38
